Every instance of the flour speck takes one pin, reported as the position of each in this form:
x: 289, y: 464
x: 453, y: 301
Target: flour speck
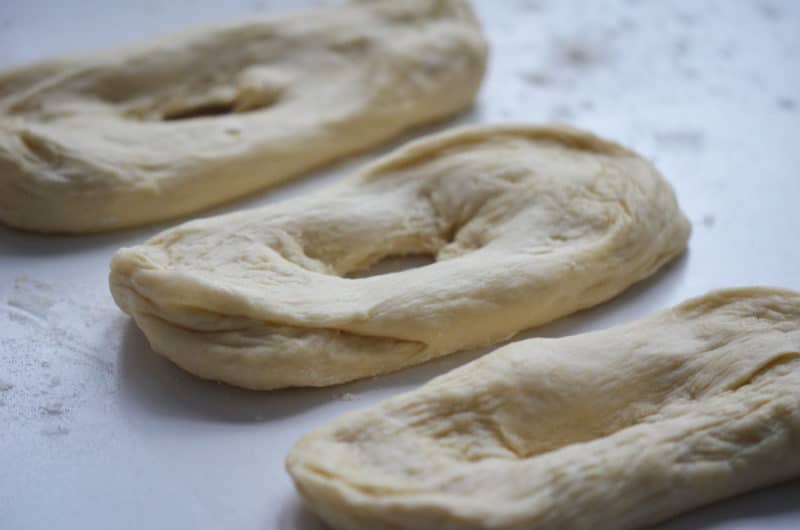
x: 54, y: 408
x: 561, y: 113
x: 684, y: 139
x: 536, y: 78
x: 55, y: 430
x: 582, y: 52
x: 770, y: 12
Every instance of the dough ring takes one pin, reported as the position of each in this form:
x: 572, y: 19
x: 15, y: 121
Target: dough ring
x: 527, y: 224
x: 170, y: 127
x: 620, y: 428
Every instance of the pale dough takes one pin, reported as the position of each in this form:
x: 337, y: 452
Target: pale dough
x: 527, y: 224
x: 618, y: 429
x: 179, y: 124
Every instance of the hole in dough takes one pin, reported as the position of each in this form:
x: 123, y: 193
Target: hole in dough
x: 39, y: 148
x: 203, y: 110
x: 391, y: 264
x: 248, y: 99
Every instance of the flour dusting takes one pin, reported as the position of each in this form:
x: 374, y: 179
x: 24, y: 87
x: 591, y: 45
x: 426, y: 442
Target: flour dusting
x: 59, y: 348
x: 33, y: 298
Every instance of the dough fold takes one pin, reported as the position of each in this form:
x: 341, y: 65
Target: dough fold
x: 621, y: 428
x: 526, y: 224
x: 182, y: 123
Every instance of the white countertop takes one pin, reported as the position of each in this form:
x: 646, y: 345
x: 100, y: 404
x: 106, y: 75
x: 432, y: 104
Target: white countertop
x: 96, y: 431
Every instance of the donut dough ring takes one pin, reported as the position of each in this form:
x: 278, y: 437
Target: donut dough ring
x: 527, y: 224
x: 169, y: 127
x: 620, y: 428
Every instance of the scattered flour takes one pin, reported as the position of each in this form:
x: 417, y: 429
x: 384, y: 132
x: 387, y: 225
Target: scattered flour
x: 59, y: 347
x: 32, y: 297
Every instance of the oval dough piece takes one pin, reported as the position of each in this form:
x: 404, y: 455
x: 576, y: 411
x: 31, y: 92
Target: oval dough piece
x: 527, y: 224
x: 620, y: 428
x: 179, y: 124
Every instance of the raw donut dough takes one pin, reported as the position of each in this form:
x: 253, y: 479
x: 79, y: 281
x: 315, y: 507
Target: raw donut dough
x: 619, y: 429
x: 166, y: 128
x: 527, y: 224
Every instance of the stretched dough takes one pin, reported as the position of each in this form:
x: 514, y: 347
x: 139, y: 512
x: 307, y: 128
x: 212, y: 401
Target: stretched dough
x: 179, y: 124
x: 620, y: 428
x: 527, y: 224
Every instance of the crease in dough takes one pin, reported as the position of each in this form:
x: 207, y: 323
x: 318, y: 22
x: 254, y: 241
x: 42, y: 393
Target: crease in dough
x: 527, y: 224
x: 181, y: 123
x: 620, y: 428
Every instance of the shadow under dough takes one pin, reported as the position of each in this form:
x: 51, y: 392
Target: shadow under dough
x: 17, y: 242
x: 295, y: 516
x: 153, y: 383
x: 775, y: 505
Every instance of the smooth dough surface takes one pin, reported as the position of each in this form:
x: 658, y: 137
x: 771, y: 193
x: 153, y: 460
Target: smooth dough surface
x: 527, y: 224
x: 165, y: 128
x: 620, y: 428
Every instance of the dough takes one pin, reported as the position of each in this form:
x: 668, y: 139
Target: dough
x: 619, y: 429
x: 527, y: 224
x: 166, y: 128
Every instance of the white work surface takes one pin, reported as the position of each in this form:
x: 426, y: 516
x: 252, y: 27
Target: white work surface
x: 97, y: 432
